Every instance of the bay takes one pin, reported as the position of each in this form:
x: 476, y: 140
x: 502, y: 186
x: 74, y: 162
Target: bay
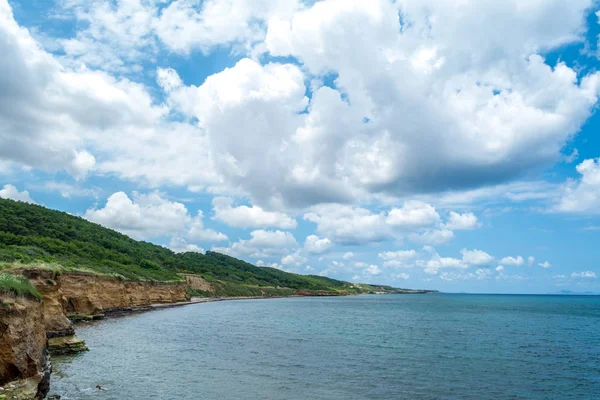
x: 360, y: 347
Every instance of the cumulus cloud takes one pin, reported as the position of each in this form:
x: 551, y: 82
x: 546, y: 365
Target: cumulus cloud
x: 314, y: 244
x: 500, y: 110
x: 50, y: 114
x: 469, y: 90
x: 400, y: 258
x: 500, y: 268
x: 11, y: 192
x: 262, y: 243
x: 497, y: 100
x: 512, y: 261
x: 294, y: 259
x: 476, y: 257
x: 179, y: 245
x: 436, y: 263
x: 545, y: 264
x: 582, y: 196
x: 348, y: 255
x: 530, y: 260
x: 432, y: 262
x: 584, y: 275
x: 373, y: 270
x: 249, y: 217
x: 402, y: 275
x: 414, y: 214
x: 434, y: 238
x: 147, y: 216
x: 186, y: 25
x: 465, y: 221
x: 349, y: 225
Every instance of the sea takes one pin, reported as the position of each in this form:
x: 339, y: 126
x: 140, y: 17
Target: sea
x: 443, y: 346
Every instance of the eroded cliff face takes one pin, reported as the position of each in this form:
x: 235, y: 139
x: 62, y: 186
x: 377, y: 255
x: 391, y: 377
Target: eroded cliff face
x: 75, y: 294
x: 28, y: 327
x: 196, y: 282
x: 24, y: 364
x: 92, y: 294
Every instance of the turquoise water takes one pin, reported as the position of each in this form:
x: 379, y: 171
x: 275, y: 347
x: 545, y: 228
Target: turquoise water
x: 361, y: 347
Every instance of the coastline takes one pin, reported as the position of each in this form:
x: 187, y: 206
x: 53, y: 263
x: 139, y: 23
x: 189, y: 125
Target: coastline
x: 39, y: 328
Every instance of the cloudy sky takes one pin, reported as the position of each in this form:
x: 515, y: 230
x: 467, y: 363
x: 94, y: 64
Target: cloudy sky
x: 416, y: 143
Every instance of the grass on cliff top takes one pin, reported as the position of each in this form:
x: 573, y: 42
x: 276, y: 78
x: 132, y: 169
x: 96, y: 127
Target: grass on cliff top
x: 18, y: 285
x: 229, y: 289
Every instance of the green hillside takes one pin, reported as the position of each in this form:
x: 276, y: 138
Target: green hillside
x: 34, y: 234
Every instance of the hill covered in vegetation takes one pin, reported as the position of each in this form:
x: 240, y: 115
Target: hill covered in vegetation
x: 31, y: 234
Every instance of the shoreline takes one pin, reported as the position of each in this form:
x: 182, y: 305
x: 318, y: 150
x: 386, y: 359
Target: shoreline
x: 194, y: 300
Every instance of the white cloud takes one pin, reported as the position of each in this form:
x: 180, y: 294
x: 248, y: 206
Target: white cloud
x: 456, y: 276
x: 476, y: 257
x: 496, y: 100
x: 499, y: 110
x: 348, y: 255
x: 500, y: 268
x: 117, y: 35
x: 513, y: 192
x: 179, y: 245
x: 400, y: 258
x: 373, y: 270
x: 465, y: 221
x: 414, y: 214
x: 434, y: 238
x: 314, y: 244
x: 436, y: 263
x: 512, y: 261
x: 402, y: 275
x: 584, y: 275
x: 293, y: 259
x: 530, y: 260
x: 483, y: 273
x: 582, y: 196
x: 432, y: 262
x: 151, y: 215
x: 262, y: 243
x: 11, y: 192
x: 185, y: 25
x: 249, y: 217
x: 349, y: 225
x: 261, y: 263
x: 68, y: 191
x: 545, y: 264
x: 51, y: 115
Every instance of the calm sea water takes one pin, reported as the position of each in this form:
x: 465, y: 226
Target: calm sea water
x: 362, y: 347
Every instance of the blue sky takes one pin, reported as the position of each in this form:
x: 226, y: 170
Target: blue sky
x: 412, y: 143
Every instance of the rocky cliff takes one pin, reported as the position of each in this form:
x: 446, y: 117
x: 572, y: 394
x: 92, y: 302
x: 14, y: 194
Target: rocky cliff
x: 28, y: 327
x: 72, y: 294
x: 24, y: 364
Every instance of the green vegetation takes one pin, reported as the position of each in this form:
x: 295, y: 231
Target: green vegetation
x: 230, y: 289
x: 31, y: 234
x: 18, y: 285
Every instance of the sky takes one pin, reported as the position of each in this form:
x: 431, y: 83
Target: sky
x: 415, y: 143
